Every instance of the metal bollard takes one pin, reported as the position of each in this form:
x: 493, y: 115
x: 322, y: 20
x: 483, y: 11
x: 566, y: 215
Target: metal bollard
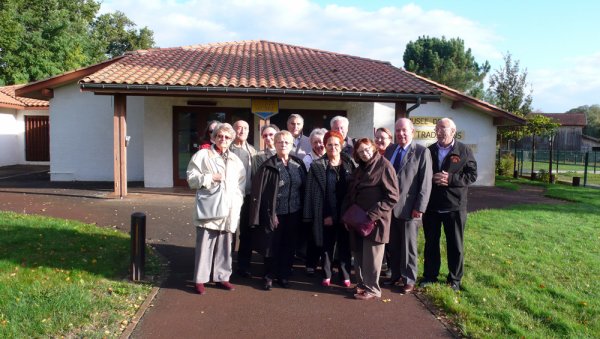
x: 138, y: 245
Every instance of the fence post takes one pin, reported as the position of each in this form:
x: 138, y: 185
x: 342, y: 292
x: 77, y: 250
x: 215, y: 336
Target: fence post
x: 138, y: 245
x: 585, y: 168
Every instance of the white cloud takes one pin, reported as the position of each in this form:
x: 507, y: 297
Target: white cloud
x: 561, y: 89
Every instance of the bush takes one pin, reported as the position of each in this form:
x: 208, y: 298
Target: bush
x: 506, y: 164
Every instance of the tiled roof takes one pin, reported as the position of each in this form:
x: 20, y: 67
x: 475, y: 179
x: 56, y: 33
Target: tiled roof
x: 568, y: 119
x: 259, y: 64
x: 8, y: 97
x: 460, y: 96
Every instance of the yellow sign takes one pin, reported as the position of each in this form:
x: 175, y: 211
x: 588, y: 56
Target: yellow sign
x: 424, y: 121
x: 265, y: 108
x: 424, y: 134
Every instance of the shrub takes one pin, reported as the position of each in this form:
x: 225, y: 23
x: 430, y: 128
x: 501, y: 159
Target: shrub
x: 506, y: 164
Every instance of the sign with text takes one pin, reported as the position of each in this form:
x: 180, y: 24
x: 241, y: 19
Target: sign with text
x: 265, y: 108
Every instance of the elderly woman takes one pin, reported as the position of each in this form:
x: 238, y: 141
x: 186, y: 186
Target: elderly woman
x: 317, y: 144
x: 276, y: 208
x: 216, y: 215
x: 326, y: 187
x: 383, y: 138
x: 374, y: 188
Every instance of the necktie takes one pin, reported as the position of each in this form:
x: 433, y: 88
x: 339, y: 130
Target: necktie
x: 398, y: 159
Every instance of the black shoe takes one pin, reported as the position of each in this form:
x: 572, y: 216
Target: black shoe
x: 243, y: 273
x: 454, y: 285
x: 268, y: 283
x: 284, y: 283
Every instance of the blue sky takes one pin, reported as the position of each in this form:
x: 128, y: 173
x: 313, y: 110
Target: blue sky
x: 556, y: 42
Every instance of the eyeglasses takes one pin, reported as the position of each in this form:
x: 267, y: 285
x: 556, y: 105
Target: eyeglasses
x: 283, y: 142
x: 268, y: 135
x: 364, y: 150
x: 382, y: 138
x: 222, y: 136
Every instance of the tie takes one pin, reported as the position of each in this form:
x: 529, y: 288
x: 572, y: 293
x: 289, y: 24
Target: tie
x: 398, y: 159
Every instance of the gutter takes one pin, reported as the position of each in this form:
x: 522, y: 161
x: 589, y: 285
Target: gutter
x: 266, y: 91
x: 413, y: 107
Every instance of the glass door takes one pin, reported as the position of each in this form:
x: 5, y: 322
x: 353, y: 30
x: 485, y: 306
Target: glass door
x: 189, y: 127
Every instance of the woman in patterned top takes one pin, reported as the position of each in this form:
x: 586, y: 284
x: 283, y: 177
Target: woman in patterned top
x: 277, y: 199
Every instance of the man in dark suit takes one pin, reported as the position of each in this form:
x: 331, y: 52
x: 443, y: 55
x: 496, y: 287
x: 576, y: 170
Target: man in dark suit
x: 412, y: 163
x: 454, y: 169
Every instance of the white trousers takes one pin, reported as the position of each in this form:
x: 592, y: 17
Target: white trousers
x: 213, y: 250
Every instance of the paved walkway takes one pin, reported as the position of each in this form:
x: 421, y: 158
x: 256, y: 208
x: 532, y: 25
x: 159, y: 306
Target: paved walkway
x: 305, y: 310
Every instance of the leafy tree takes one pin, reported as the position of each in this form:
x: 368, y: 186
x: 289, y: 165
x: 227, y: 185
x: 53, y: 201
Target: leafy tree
x: 508, y: 88
x: 592, y: 113
x: 539, y: 125
x: 39, y: 39
x: 117, y: 34
x: 447, y: 62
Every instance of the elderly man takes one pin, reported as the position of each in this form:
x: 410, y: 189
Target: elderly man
x: 246, y: 153
x: 412, y: 163
x: 318, y: 147
x: 301, y: 147
x: 341, y: 124
x: 267, y: 133
x: 454, y: 169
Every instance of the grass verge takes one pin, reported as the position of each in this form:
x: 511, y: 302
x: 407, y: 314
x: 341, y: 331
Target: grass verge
x: 531, y: 270
x: 65, y: 278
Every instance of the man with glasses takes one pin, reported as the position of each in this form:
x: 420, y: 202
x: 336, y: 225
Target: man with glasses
x: 267, y: 133
x: 341, y: 124
x: 454, y: 169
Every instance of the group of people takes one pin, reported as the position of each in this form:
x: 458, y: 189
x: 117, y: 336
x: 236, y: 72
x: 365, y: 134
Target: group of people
x: 292, y: 196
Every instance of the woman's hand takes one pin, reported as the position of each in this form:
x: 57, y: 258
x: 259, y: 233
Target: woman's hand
x: 328, y: 221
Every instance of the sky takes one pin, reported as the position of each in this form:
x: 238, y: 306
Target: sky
x: 556, y: 42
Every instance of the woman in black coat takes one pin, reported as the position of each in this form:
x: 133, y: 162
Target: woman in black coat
x: 326, y: 187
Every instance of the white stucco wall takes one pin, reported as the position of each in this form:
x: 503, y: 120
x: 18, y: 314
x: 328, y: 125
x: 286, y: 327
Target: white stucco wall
x: 81, y: 136
x: 9, y: 151
x: 12, y: 136
x: 476, y: 128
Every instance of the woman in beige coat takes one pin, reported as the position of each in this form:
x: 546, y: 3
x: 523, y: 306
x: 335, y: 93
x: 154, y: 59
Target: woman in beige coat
x: 209, y: 168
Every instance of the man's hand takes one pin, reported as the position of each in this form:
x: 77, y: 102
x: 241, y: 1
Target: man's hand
x: 441, y: 178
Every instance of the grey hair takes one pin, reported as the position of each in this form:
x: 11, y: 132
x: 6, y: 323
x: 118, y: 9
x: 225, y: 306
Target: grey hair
x: 339, y: 118
x: 223, y: 127
x: 452, y: 124
x: 317, y: 132
x: 295, y: 116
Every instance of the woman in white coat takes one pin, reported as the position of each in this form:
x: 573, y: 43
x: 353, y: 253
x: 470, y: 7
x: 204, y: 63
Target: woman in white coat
x: 216, y: 215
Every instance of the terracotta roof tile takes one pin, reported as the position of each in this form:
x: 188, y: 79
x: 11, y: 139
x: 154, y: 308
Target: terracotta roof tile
x: 568, y: 119
x: 7, y: 96
x: 259, y: 64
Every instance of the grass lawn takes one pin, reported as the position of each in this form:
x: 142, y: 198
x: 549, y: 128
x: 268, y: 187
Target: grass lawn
x: 65, y: 278
x: 530, y: 271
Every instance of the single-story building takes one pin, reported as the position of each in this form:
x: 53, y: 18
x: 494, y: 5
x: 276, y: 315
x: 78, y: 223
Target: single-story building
x: 568, y: 136
x: 24, y: 129
x: 139, y: 117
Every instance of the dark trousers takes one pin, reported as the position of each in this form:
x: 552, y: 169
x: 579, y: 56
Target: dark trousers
x: 280, y: 255
x: 336, y: 239
x: 403, y: 249
x: 454, y: 227
x: 245, y: 248
x: 313, y: 252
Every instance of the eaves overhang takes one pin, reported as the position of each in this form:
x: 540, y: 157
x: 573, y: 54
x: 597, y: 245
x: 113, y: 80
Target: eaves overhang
x: 164, y: 90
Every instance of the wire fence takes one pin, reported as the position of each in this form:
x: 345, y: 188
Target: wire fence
x: 581, y: 168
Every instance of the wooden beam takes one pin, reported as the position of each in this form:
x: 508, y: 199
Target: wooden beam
x: 119, y: 150
x: 47, y: 93
x: 400, y: 110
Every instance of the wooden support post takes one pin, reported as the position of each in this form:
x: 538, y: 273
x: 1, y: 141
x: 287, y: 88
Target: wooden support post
x: 400, y: 111
x: 120, y: 151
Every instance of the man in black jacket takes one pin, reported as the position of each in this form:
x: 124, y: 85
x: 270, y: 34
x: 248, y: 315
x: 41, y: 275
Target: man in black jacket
x: 454, y: 169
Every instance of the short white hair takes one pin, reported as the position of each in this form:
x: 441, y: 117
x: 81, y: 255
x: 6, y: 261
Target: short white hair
x: 317, y: 132
x: 339, y: 118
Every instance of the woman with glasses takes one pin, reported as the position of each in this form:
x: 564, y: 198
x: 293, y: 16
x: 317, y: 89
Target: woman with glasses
x: 326, y: 187
x: 383, y: 138
x: 276, y: 209
x: 374, y: 188
x: 216, y: 168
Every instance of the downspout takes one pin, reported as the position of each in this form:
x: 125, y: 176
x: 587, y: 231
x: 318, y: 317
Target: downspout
x: 413, y: 107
